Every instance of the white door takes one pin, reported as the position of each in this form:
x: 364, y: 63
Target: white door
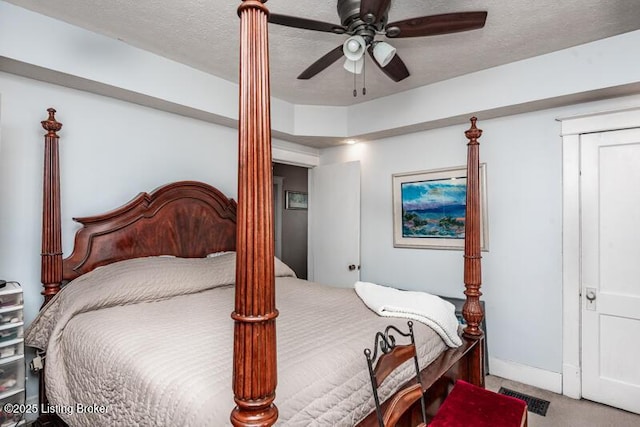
x: 610, y: 230
x: 334, y: 224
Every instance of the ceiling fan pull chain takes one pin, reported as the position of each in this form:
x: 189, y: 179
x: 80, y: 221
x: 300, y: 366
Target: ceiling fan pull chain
x: 355, y: 92
x: 364, y: 77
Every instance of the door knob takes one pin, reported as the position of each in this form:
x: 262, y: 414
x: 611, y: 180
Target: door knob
x: 591, y: 298
x: 352, y: 267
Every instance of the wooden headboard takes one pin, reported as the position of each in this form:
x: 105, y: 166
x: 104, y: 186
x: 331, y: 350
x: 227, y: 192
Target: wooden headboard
x: 186, y: 219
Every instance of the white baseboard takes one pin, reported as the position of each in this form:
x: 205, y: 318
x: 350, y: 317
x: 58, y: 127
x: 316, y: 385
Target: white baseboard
x: 529, y: 375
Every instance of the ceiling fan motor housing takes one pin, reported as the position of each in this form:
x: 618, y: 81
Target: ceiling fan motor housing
x: 349, y: 12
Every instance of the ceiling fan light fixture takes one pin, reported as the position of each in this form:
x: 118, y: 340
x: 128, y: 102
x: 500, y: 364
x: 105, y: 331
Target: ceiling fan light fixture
x: 354, y: 67
x: 383, y: 53
x: 354, y: 47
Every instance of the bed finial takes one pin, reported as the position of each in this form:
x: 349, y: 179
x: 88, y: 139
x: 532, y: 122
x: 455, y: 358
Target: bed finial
x: 473, y: 133
x: 51, y: 125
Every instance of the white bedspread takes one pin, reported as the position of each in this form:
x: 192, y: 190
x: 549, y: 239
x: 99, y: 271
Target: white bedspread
x: 423, y: 307
x: 151, y: 340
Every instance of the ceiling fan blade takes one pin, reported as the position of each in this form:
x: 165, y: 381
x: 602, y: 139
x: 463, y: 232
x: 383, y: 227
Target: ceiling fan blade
x: 395, y: 70
x: 322, y: 63
x: 305, y: 24
x: 437, y: 24
x: 373, y: 8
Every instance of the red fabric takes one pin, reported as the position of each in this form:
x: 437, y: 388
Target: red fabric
x: 470, y: 406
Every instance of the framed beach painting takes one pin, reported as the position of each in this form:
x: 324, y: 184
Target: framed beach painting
x: 429, y: 209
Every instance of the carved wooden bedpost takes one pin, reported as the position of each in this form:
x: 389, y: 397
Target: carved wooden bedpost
x: 254, y: 352
x: 51, y: 268
x: 51, y: 256
x: 472, y: 310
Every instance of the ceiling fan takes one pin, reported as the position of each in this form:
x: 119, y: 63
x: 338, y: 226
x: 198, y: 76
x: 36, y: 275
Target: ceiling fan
x: 363, y: 20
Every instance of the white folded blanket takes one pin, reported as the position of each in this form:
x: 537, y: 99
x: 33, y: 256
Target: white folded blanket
x: 419, y: 306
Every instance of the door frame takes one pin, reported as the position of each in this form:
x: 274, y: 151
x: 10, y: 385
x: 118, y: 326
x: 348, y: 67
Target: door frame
x: 571, y: 130
x: 296, y: 155
x: 278, y: 183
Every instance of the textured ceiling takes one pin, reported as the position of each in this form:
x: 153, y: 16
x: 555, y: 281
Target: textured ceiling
x: 204, y: 35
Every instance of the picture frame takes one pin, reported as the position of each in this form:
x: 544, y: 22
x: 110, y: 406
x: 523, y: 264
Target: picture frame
x: 296, y: 200
x: 429, y: 209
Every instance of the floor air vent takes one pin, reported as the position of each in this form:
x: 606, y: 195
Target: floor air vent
x: 534, y: 404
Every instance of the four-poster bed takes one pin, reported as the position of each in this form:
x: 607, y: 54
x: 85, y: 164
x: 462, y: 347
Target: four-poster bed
x: 190, y: 220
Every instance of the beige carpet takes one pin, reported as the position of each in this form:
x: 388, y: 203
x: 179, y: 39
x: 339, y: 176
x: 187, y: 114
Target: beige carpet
x: 567, y: 412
